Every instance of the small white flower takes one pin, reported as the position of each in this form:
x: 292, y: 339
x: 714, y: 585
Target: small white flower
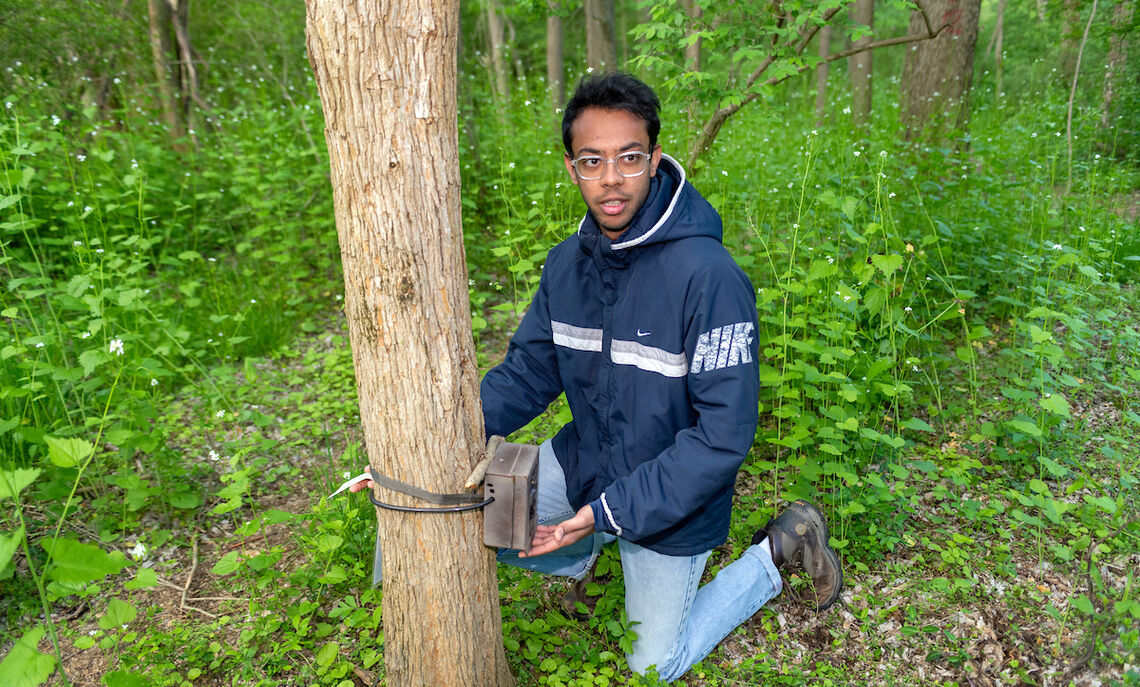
x: 857, y: 153
x: 724, y: 172
x: 907, y: 309
x: 81, y: 157
x: 138, y: 551
x: 1057, y: 246
x: 882, y: 153
x: 213, y: 454
x: 346, y: 474
x: 55, y: 120
x: 39, y: 344
x: 116, y: 346
x: 77, y: 243
x: 253, y: 300
x: 99, y: 250
x: 847, y: 110
x: 8, y: 104
x: 220, y: 414
x: 153, y: 381
x: 891, y: 194
x: 85, y: 335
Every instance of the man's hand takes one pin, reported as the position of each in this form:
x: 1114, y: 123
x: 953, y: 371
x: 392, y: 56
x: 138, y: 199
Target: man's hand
x: 360, y: 486
x: 549, y: 538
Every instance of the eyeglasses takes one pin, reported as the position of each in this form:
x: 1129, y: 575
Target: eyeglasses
x: 631, y: 164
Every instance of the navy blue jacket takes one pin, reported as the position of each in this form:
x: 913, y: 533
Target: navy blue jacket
x: 652, y: 337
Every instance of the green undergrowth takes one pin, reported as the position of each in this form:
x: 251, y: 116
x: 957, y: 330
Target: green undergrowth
x: 948, y: 363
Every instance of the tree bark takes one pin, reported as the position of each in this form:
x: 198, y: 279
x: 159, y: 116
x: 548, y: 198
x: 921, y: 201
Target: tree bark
x: 821, y: 75
x: 555, y: 64
x: 601, y: 43
x: 861, y: 64
x: 937, y: 74
x: 1070, y: 39
x: 386, y: 74
x: 996, y: 46
x: 159, y: 21
x: 693, y: 50
x: 1115, y: 61
x: 188, y: 71
x: 496, y: 49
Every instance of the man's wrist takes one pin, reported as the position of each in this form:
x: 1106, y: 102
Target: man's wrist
x: 603, y: 518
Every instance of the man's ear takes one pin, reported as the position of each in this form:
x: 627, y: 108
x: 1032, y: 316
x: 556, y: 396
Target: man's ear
x: 570, y: 168
x: 654, y: 160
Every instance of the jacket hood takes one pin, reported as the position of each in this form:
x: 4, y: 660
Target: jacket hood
x: 672, y: 210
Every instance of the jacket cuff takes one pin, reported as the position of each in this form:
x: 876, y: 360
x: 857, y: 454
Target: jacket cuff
x: 604, y: 517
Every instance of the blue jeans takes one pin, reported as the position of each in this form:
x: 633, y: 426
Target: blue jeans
x: 678, y: 621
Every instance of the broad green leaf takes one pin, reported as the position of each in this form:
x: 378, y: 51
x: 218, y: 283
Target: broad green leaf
x: 327, y: 654
x: 887, y: 263
x: 125, y: 678
x: 25, y: 666
x: 118, y: 613
x: 1103, y: 502
x: 8, y: 546
x: 918, y: 425
x: 1056, y: 404
x: 851, y: 424
x: 12, y: 482
x: 144, y: 578
x: 875, y: 299
x: 1039, y: 487
x: 849, y: 205
x: 92, y: 359
x: 76, y: 563
x: 8, y: 201
x: 1082, y: 604
x: 67, y: 453
x: 227, y: 564
x: 821, y: 269
x: 1025, y: 426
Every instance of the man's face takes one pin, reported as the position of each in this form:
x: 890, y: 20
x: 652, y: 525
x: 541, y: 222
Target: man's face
x: 613, y: 200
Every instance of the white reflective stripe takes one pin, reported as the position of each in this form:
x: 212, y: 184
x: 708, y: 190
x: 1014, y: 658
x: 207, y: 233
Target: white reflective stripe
x: 648, y: 358
x: 610, y: 515
x: 577, y: 338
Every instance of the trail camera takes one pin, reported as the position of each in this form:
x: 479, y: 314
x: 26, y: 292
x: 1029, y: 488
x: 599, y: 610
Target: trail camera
x: 512, y: 479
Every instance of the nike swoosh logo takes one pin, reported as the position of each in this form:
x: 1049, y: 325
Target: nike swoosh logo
x: 641, y: 333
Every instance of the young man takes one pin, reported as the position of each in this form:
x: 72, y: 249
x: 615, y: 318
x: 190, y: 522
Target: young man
x: 647, y: 324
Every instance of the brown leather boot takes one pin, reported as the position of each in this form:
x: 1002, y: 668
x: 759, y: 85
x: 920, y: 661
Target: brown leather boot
x: 799, y: 535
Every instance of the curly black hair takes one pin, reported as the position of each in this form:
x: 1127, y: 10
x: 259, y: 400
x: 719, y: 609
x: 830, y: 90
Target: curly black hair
x: 613, y: 91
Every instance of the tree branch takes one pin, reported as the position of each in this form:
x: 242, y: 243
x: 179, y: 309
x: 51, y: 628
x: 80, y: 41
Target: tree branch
x: 712, y: 127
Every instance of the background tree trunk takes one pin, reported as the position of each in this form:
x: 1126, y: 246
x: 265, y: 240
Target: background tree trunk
x: 601, y: 42
x: 555, y: 64
x: 1070, y: 40
x: 861, y: 65
x: 386, y: 75
x: 937, y: 74
x: 159, y: 18
x: 821, y: 75
x: 496, y: 49
x: 693, y: 50
x: 996, y: 46
x: 1115, y: 61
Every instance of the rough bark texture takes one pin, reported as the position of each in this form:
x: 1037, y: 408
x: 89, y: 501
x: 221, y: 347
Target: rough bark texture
x: 693, y: 50
x: 1115, y: 62
x: 386, y: 71
x: 601, y: 43
x: 937, y: 74
x: 555, y: 65
x: 821, y: 75
x: 861, y: 65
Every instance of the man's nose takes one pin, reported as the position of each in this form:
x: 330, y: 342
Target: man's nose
x: 610, y: 176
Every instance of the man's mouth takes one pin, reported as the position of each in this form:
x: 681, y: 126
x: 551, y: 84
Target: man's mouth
x: 613, y: 207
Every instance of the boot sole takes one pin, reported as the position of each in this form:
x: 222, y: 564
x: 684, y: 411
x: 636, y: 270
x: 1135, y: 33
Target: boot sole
x: 813, y: 514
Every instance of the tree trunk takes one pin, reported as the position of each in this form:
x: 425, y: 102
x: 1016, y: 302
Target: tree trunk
x: 601, y: 43
x: 1115, y: 61
x: 386, y: 74
x: 555, y: 64
x: 188, y: 71
x: 937, y: 74
x: 497, y: 48
x: 861, y: 65
x: 160, y: 51
x: 821, y: 75
x: 996, y: 46
x: 1070, y: 40
x: 693, y: 50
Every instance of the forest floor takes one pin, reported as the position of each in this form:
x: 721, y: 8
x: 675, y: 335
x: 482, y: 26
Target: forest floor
x: 965, y: 598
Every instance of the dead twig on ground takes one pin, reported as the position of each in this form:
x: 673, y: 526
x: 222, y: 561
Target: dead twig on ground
x: 190, y: 578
